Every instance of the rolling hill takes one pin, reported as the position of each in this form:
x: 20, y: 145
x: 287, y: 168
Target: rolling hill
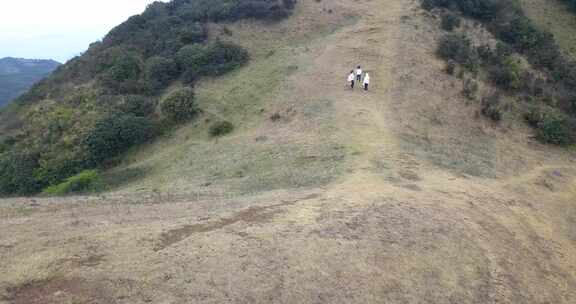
x: 18, y: 75
x: 435, y: 186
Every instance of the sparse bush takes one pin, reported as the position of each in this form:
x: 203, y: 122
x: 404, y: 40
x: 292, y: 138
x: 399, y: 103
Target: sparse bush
x: 450, y: 22
x: 508, y: 75
x: 114, y: 135
x: 179, y: 106
x: 275, y: 117
x: 84, y: 182
x: 470, y: 89
x: 535, y: 85
x: 428, y: 4
x: 221, y: 128
x: 491, y: 108
x: 502, y: 52
x: 458, y: 47
x: 451, y: 67
x: 556, y: 77
x: 485, y: 53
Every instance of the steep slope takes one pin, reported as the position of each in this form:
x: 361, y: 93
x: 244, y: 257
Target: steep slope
x: 17, y: 75
x: 555, y: 17
x: 426, y: 201
x: 135, y: 84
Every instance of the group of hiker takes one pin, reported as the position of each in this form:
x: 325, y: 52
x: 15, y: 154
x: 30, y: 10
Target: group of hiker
x: 356, y: 76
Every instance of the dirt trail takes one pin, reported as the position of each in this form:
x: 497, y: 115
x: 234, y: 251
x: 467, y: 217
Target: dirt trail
x: 362, y: 119
x: 395, y: 228
x: 362, y: 115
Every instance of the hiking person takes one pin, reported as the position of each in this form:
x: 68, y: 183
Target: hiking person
x: 351, y: 79
x: 358, y: 74
x: 366, y: 81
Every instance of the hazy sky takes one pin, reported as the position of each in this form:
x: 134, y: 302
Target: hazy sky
x: 59, y: 29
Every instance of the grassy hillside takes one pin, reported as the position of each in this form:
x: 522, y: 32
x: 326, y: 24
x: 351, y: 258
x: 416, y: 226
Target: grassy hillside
x: 407, y: 193
x: 556, y: 17
x: 17, y: 75
x: 134, y: 85
x: 533, y: 75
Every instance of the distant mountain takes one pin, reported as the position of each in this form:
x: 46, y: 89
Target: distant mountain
x: 17, y: 75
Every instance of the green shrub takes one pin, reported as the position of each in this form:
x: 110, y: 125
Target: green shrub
x: 136, y: 59
x: 503, y: 51
x: 222, y: 58
x: 491, y: 108
x: 450, y: 22
x: 552, y: 126
x: 17, y: 174
x: 136, y: 105
x: 195, y: 33
x: 7, y: 143
x: 84, y: 182
x: 479, y: 9
x: 210, y: 60
x: 485, y: 53
x: 571, y: 4
x: 179, y: 106
x: 458, y: 48
x: 55, y: 166
x: 521, y: 32
x: 451, y: 67
x: 428, y: 4
x: 114, y: 135
x: 470, y: 89
x: 557, y: 72
x: 125, y: 67
x: 555, y: 130
x: 124, y: 75
x: 160, y: 72
x: 221, y: 128
x: 508, y: 75
x: 190, y: 60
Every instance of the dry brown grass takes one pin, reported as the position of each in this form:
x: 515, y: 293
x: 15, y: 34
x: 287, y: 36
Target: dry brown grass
x: 398, y: 195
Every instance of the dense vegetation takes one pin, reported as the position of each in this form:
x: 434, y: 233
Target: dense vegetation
x: 571, y: 3
x: 526, y: 63
x: 117, y: 94
x: 17, y: 75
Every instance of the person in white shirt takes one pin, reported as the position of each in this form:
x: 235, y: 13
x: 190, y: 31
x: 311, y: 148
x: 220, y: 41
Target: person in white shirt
x: 351, y: 79
x: 366, y: 81
x: 358, y: 74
